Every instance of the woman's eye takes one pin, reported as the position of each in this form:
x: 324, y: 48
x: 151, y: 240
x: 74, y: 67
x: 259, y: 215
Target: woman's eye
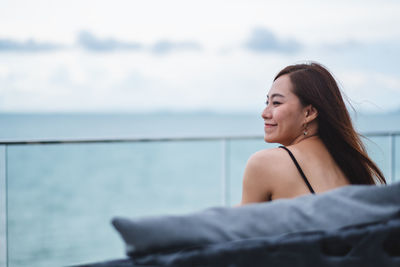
x: 275, y: 103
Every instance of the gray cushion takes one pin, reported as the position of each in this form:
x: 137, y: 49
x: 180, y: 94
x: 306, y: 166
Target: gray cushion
x: 345, y: 206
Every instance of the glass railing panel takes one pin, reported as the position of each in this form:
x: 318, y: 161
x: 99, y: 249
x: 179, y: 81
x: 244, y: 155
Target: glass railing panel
x: 396, y: 158
x: 61, y: 198
x: 378, y: 148
x: 3, y: 206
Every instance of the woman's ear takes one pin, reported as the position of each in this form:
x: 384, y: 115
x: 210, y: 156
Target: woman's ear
x: 311, y: 113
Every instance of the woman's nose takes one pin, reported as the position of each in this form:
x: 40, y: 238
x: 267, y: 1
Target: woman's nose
x: 265, y: 114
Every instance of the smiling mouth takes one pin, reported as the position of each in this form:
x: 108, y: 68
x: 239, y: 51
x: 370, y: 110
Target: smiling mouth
x: 268, y: 125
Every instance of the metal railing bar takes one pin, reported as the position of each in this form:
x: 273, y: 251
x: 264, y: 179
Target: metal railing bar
x: 3, y: 207
x: 224, y: 186
x: 377, y: 133
x: 125, y: 140
x: 392, y: 158
x: 157, y: 139
x: 225, y: 177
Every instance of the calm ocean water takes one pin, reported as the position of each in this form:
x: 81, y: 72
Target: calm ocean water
x: 61, y: 198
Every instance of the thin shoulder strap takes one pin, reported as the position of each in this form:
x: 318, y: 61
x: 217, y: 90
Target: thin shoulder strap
x: 299, y: 169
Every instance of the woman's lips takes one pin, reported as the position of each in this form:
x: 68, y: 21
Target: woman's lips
x: 269, y: 125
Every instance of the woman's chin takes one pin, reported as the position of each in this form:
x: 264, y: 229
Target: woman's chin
x: 268, y: 139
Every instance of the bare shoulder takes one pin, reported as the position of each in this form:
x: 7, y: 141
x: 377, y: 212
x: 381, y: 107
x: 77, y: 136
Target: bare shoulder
x: 268, y: 159
x: 262, y: 174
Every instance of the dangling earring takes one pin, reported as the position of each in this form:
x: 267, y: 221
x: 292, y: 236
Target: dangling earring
x: 305, y: 131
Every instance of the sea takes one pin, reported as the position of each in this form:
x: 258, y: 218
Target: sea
x: 58, y: 199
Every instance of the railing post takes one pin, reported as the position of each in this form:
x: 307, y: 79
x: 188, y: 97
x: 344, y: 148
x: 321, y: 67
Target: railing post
x: 225, y: 173
x: 3, y: 206
x: 392, y: 158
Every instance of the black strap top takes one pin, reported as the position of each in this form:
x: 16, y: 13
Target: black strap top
x: 299, y: 169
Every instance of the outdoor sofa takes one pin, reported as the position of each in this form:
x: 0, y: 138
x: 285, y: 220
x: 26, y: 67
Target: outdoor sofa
x: 357, y: 225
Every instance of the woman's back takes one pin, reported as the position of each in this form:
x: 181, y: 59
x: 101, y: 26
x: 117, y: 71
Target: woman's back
x: 271, y: 174
x: 318, y: 166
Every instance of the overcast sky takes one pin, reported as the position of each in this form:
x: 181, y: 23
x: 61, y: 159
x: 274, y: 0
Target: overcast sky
x: 116, y: 56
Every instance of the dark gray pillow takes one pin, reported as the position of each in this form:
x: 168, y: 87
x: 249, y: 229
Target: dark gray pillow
x: 345, y: 206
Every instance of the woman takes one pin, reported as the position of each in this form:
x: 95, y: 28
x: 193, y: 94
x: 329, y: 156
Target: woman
x: 305, y: 113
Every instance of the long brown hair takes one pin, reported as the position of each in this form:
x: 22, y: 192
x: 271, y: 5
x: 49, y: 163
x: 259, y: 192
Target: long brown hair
x: 314, y: 85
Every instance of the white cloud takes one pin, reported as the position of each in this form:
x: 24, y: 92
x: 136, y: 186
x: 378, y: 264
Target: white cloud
x: 210, y: 21
x: 222, y: 75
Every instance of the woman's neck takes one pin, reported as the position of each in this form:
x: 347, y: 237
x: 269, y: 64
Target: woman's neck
x: 310, y: 134
x: 302, y: 138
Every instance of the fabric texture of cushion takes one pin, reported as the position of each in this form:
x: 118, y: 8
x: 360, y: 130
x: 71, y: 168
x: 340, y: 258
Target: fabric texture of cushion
x: 345, y: 206
x: 366, y: 245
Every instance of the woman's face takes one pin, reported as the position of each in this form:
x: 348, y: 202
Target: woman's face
x: 284, y: 115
